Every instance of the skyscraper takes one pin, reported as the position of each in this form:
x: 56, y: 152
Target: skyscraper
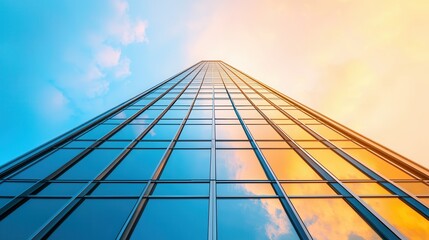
x: 212, y: 153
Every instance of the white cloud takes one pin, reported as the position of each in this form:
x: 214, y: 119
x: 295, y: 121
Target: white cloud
x: 123, y: 68
x: 107, y: 56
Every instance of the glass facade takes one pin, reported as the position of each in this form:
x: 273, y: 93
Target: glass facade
x: 212, y: 153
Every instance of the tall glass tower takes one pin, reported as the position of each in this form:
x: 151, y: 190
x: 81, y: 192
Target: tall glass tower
x: 212, y: 153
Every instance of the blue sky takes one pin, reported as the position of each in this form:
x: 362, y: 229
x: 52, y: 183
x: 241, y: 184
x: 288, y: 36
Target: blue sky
x: 64, y: 62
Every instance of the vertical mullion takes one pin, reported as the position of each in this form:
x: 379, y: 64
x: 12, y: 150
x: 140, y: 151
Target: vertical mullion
x: 285, y: 201
x: 212, y: 196
x: 134, y: 216
x: 78, y: 198
x: 378, y: 223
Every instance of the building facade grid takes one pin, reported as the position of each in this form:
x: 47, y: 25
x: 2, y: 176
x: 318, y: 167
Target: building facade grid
x: 213, y: 153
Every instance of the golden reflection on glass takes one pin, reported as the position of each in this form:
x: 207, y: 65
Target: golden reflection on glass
x: 345, y: 144
x: 238, y: 165
x: 332, y: 218
x: 230, y: 132
x: 264, y: 132
x: 273, y: 144
x: 309, y: 121
x: 401, y: 216
x: 259, y: 102
x: 288, y: 165
x: 219, y: 102
x: 285, y: 120
x: 273, y: 114
x: 336, y: 164
x: 416, y: 188
x: 377, y: 164
x: 367, y: 188
x: 244, y: 189
x: 303, y: 189
x: 326, y: 132
x: 297, y: 114
x: 425, y: 201
x: 310, y: 144
x: 296, y: 132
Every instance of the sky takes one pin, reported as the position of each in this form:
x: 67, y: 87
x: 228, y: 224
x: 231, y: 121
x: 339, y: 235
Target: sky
x: 362, y: 63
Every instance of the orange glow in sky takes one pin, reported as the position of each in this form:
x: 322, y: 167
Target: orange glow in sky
x: 362, y: 63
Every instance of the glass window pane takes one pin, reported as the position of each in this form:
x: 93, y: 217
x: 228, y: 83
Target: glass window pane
x: 201, y: 113
x: 304, y: 189
x: 288, y: 165
x: 95, y: 219
x: 238, y: 164
x: 196, y: 132
x: 367, y: 189
x: 296, y: 132
x: 162, y: 132
x: 181, y: 189
x: 253, y: 219
x: 119, y: 189
x: 48, y: 165
x: 14, y: 188
x: 129, y: 132
x: 187, y: 164
x: 326, y: 132
x: 405, y: 219
x: 91, y: 165
x: 378, y: 164
x: 29, y: 217
x: 230, y: 132
x: 336, y: 164
x: 139, y: 164
x: 416, y: 188
x: 62, y: 189
x: 223, y: 113
x: 97, y: 132
x: 264, y: 132
x: 244, y: 189
x: 332, y: 218
x: 173, y: 219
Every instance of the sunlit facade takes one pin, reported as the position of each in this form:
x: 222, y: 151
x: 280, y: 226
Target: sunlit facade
x: 212, y: 153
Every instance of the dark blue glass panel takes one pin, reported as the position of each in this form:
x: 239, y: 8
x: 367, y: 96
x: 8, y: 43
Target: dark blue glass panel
x: 196, y: 132
x: 97, y: 132
x: 91, y: 165
x: 119, y: 189
x: 14, y: 188
x: 187, y: 164
x: 48, y: 165
x: 173, y: 219
x: 253, y: 219
x: 139, y: 164
x: 29, y: 217
x: 115, y: 144
x: 193, y: 144
x: 129, y: 132
x: 181, y: 189
x: 3, y: 201
x: 162, y: 132
x: 95, y: 219
x: 79, y: 144
x: 62, y: 189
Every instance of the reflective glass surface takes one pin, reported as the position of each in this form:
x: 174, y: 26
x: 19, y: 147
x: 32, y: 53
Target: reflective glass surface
x: 95, y: 219
x: 253, y: 219
x: 187, y: 164
x: 139, y: 164
x: 173, y: 219
x: 329, y: 218
x: 238, y: 165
